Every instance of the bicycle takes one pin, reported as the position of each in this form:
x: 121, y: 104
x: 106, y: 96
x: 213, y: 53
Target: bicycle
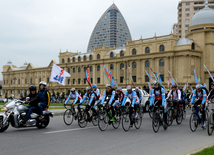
x: 157, y: 119
x: 174, y: 113
x: 68, y: 115
x: 195, y: 119
x: 137, y: 121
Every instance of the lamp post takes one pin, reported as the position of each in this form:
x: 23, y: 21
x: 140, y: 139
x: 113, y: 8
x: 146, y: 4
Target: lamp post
x: 126, y: 62
x: 14, y: 86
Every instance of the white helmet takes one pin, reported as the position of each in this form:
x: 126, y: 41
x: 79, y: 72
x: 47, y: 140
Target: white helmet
x: 155, y: 83
x: 198, y: 86
x: 43, y: 83
x: 88, y: 88
x: 137, y: 89
x: 108, y: 85
x: 72, y: 89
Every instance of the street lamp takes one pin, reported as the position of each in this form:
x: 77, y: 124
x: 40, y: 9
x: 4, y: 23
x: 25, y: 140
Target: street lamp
x: 126, y: 71
x: 14, y: 85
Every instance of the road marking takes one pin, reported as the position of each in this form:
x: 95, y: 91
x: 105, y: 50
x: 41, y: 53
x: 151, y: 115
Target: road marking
x: 198, y: 150
x: 68, y: 130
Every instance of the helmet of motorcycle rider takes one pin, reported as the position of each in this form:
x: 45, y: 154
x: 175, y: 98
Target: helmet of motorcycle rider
x: 32, y: 87
x: 72, y: 89
x: 108, y: 85
x: 88, y: 88
x: 43, y: 83
x: 198, y: 86
x: 94, y: 86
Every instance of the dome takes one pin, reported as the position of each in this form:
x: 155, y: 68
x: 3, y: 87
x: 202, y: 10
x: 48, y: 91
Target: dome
x: 204, y: 16
x: 183, y: 41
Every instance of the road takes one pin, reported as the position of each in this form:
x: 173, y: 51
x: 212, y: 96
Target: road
x: 58, y: 138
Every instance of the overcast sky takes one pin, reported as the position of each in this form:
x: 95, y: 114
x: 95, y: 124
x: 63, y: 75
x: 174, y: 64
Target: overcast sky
x: 36, y: 30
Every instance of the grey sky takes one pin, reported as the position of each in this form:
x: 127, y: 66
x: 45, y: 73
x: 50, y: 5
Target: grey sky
x: 36, y: 30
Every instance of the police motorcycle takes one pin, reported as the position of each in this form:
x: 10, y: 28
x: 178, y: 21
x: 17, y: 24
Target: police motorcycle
x: 15, y: 111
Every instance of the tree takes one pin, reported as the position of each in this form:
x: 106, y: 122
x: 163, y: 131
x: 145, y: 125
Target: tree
x: 57, y: 94
x: 68, y: 92
x: 63, y: 95
x: 54, y: 95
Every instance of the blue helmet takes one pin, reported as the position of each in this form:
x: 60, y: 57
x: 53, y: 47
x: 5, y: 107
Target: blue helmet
x: 94, y: 86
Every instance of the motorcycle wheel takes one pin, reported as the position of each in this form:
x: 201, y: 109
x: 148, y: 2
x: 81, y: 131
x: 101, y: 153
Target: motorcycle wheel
x: 41, y: 124
x: 4, y: 128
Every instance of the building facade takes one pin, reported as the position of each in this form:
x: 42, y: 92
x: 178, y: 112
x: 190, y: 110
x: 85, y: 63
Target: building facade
x: 186, y: 10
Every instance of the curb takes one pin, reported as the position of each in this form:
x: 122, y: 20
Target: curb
x: 198, y: 150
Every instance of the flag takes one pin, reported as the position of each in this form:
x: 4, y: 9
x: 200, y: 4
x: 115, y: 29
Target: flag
x: 149, y: 86
x: 184, y: 87
x: 205, y: 86
x: 160, y: 80
x: 209, y: 73
x: 168, y: 84
x: 131, y: 79
x: 172, y: 82
x: 112, y: 80
x: 172, y: 79
x: 196, y: 78
x: 150, y: 77
x: 199, y: 81
x: 88, y: 76
x: 191, y: 88
x: 107, y: 75
x: 58, y: 75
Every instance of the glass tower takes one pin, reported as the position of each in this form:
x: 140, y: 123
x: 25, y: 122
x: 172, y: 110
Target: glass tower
x: 111, y: 30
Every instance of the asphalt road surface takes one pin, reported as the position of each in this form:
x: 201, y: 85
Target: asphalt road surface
x: 59, y: 139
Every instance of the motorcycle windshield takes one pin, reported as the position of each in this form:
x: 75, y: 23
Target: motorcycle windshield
x: 10, y: 104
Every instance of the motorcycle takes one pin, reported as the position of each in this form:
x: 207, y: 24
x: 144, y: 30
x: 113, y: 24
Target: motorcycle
x: 15, y: 111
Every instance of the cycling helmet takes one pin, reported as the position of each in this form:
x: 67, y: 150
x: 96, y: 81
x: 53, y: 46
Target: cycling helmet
x: 198, y: 86
x: 155, y: 83
x: 212, y: 83
x: 137, y: 89
x: 43, y: 83
x: 174, y: 86
x: 88, y: 88
x: 32, y: 87
x: 118, y: 90
x: 94, y: 86
x: 108, y: 85
x: 72, y: 89
x: 168, y: 90
x: 129, y: 87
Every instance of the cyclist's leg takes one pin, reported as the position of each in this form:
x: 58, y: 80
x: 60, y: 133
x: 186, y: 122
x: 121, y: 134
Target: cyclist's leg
x: 93, y: 105
x: 130, y: 115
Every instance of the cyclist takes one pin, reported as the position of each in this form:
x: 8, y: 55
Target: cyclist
x: 158, y: 98
x: 200, y: 94
x: 118, y: 98
x: 97, y: 94
x: 77, y: 99
x: 183, y: 98
x: 109, y: 96
x: 175, y: 95
x: 132, y: 95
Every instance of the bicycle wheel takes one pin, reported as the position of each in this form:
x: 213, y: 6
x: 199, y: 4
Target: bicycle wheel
x: 68, y: 117
x: 151, y: 113
x: 103, y: 121
x: 210, y: 126
x: 193, y: 122
x: 95, y: 120
x: 184, y: 114
x: 156, y: 123
x: 82, y: 118
x: 179, y: 117
x: 116, y: 123
x: 126, y: 122
x: 138, y: 121
x: 170, y: 117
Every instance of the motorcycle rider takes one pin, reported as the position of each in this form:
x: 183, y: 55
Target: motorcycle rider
x: 33, y: 103
x: 44, y: 98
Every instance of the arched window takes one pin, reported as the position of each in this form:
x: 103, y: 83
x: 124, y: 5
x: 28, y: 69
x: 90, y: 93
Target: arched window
x: 68, y: 59
x: 147, y: 50
x: 91, y: 69
x: 121, y: 53
x: 162, y: 48
x: 134, y: 51
x: 79, y: 69
x: 73, y: 59
x: 63, y: 61
x: 98, y: 56
x: 134, y: 65
x: 147, y: 63
x: 111, y: 55
x: 193, y: 46
x: 122, y: 66
x: 161, y: 63
x: 85, y: 58
x: 73, y: 70
x: 111, y: 67
x: 79, y: 59
x: 98, y: 68
x: 90, y: 57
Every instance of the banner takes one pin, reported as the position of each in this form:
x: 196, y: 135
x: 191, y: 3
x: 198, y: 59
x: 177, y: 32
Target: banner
x: 58, y: 75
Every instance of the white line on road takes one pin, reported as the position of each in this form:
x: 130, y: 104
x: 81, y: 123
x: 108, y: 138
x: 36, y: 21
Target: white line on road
x: 68, y: 130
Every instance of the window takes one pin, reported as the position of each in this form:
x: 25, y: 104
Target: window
x: 187, y: 20
x: 68, y: 59
x: 134, y: 51
x: 69, y: 70
x: 26, y: 81
x: 91, y: 69
x: 68, y: 81
x: 134, y: 78
x: 19, y: 81
x: 98, y: 56
x: 121, y: 53
x: 63, y: 61
x: 79, y: 81
x: 91, y: 80
x: 121, y: 79
x: 4, y: 82
x: 161, y: 62
x: 98, y: 68
x: 84, y: 80
x: 111, y: 67
x: 147, y: 50
x: 79, y: 69
x: 31, y: 81
x: 187, y: 9
x: 186, y: 31
x: 134, y: 65
x: 147, y: 63
x: 193, y: 46
x: 47, y: 80
x: 40, y: 79
x: 162, y: 77
x: 98, y: 80
x: 146, y: 78
x: 85, y: 58
x: 11, y: 81
x: 79, y: 59
x: 90, y: 57
x: 85, y: 69
x: 187, y: 25
x: 161, y: 49
x: 187, y: 14
x: 122, y: 66
x: 73, y: 70
x: 73, y: 81
x: 187, y: 4
x: 111, y: 55
x: 73, y: 59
